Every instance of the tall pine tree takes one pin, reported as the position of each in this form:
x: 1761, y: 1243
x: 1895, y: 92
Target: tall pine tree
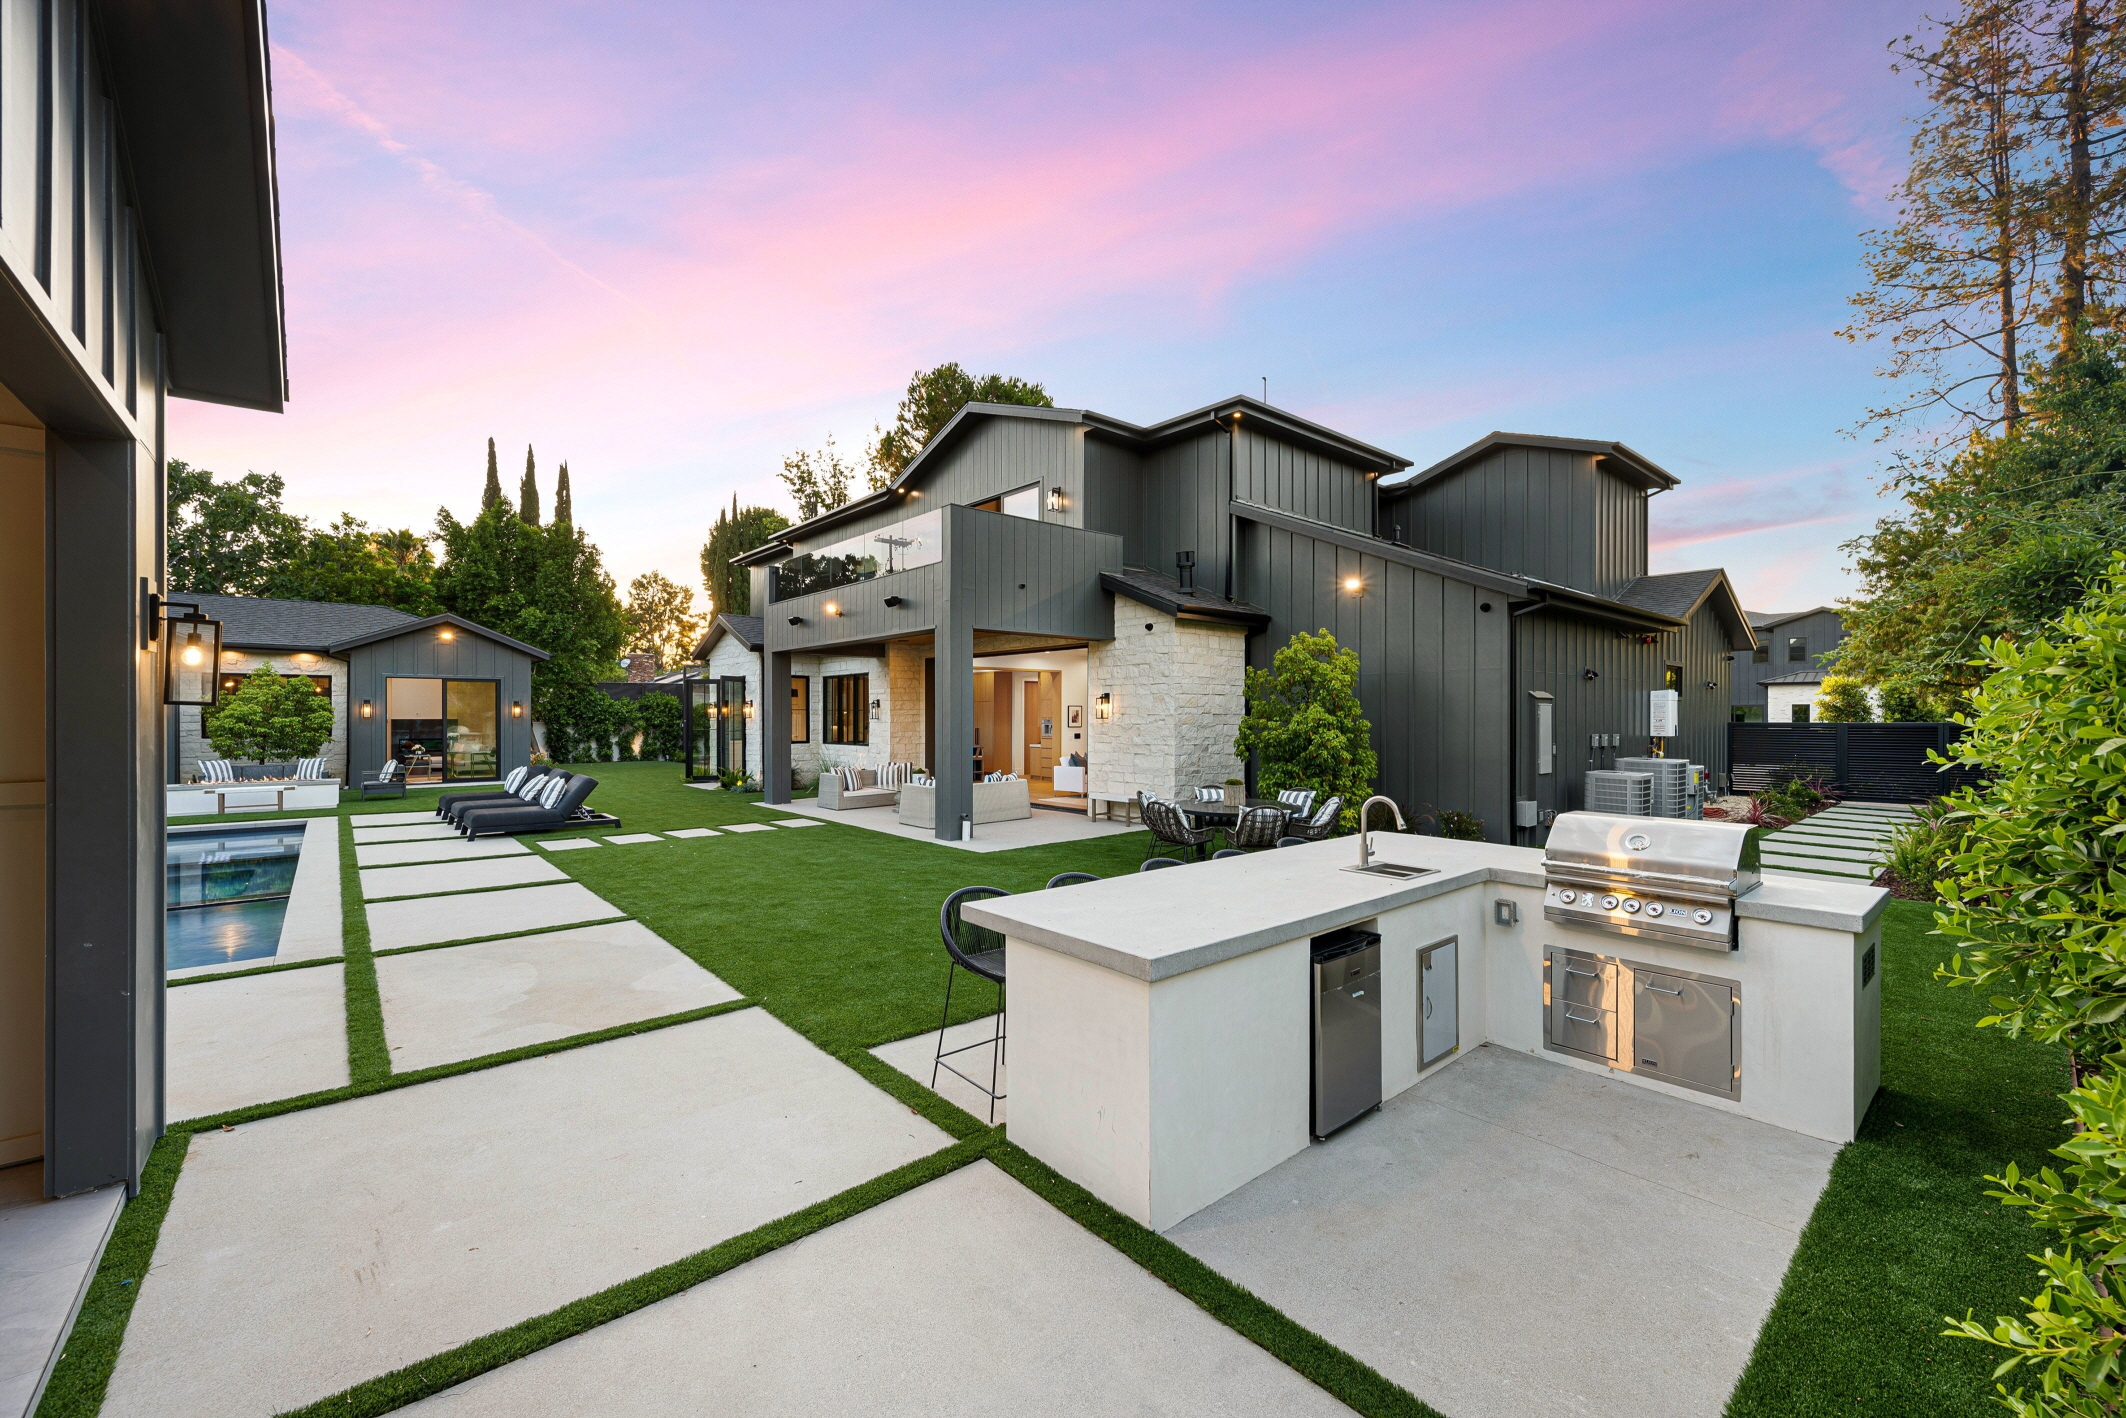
x: 493, y: 494
x: 564, y: 509
x: 528, y: 492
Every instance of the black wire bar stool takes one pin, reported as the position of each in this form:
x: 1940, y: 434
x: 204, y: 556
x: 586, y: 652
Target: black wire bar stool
x: 979, y: 951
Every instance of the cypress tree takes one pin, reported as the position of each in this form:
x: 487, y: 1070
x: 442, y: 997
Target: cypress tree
x: 493, y: 494
x: 528, y: 494
x: 564, y: 511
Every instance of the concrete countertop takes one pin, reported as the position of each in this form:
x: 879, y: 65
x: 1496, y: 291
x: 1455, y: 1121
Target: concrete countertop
x: 1156, y: 925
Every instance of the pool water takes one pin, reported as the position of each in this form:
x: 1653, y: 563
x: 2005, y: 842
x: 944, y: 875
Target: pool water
x: 226, y: 893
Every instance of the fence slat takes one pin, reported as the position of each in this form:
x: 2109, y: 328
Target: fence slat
x: 1872, y: 762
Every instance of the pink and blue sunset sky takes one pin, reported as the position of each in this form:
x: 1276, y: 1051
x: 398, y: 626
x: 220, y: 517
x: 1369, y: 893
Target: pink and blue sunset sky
x: 670, y: 243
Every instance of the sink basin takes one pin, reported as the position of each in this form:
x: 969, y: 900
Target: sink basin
x: 1395, y: 871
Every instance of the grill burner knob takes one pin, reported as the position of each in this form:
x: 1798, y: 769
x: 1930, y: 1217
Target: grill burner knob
x: 1702, y: 916
x: 1609, y: 903
x: 1631, y: 906
x: 1568, y: 896
x: 1655, y: 909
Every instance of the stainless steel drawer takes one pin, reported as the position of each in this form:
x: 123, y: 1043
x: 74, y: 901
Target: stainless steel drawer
x: 1583, y: 980
x: 1583, y: 1029
x: 1683, y: 1030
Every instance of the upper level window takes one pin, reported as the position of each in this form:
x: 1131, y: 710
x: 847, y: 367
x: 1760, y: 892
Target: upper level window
x: 1026, y: 502
x: 1797, y: 650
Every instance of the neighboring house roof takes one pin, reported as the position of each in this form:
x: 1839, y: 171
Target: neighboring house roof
x: 1798, y: 677
x: 1680, y: 593
x: 747, y: 628
x: 1166, y: 594
x: 1611, y: 457
x: 1767, y: 620
x: 322, y: 627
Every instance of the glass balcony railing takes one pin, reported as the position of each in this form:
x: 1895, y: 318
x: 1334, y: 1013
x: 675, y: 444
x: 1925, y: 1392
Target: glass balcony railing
x: 919, y: 541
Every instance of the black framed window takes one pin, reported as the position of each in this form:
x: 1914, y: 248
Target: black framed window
x: 1799, y: 714
x: 1797, y: 650
x: 845, y: 703
x: 800, y: 709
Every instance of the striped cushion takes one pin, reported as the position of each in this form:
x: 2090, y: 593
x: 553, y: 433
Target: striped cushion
x: 310, y: 768
x: 556, y: 786
x: 515, y: 780
x: 1300, y: 800
x: 1210, y: 795
x: 852, y: 778
x: 216, y: 770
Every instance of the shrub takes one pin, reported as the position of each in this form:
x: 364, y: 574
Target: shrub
x: 662, y: 722
x: 1841, y: 700
x: 1907, y: 704
x: 270, y: 718
x: 1794, y: 798
x: 1305, y: 726
x: 1920, y: 853
x: 581, y: 722
x: 1461, y: 826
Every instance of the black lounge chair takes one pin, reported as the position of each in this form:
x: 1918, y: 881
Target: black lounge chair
x: 530, y: 793
x: 567, y: 811
x: 512, y: 790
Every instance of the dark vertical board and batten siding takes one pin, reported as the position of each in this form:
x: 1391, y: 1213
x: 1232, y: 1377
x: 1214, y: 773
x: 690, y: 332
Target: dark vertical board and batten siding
x: 1825, y: 632
x: 421, y: 654
x: 1541, y: 512
x: 990, y: 457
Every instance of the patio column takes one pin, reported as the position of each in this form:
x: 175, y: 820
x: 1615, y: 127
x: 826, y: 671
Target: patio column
x: 954, y: 678
x: 772, y: 716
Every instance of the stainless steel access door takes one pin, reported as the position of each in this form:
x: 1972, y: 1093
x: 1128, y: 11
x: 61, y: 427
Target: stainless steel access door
x: 1683, y: 1030
x: 1439, y: 1030
x: 1346, y: 1039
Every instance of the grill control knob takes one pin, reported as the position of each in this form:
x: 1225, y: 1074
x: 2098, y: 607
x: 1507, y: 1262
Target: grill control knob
x: 1702, y: 916
x: 1609, y: 903
x: 1655, y: 908
x: 1568, y: 896
x: 1631, y: 905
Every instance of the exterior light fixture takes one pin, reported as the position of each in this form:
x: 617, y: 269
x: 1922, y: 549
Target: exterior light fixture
x: 1590, y: 674
x: 874, y: 709
x: 831, y: 609
x: 893, y: 600
x: 1354, y: 584
x: 368, y: 709
x: 516, y: 708
x: 749, y: 709
x: 797, y: 620
x: 1104, y: 707
x: 1712, y: 684
x: 191, y: 660
x: 1055, y: 499
x: 446, y: 633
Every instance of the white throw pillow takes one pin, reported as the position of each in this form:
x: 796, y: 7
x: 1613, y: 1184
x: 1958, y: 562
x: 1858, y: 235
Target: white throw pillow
x: 515, y: 780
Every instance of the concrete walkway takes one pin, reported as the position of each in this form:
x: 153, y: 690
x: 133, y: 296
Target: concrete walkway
x: 255, y: 1039
x: 1043, y: 829
x: 49, y: 1248
x: 1845, y: 840
x: 913, y: 1056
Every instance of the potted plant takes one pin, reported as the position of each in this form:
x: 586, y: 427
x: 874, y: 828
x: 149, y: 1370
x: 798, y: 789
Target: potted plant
x: 1236, y: 792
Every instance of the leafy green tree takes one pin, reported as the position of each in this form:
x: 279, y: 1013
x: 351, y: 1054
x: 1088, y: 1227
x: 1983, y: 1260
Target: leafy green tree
x: 932, y: 398
x: 818, y: 482
x: 1902, y: 704
x: 528, y: 490
x: 271, y: 718
x: 353, y: 565
x: 662, y: 722
x: 661, y: 619
x: 227, y: 538
x: 582, y: 721
x: 1305, y: 725
x: 1843, y: 700
x: 736, y: 532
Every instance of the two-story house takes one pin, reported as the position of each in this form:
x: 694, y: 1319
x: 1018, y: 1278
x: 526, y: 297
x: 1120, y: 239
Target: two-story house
x: 1788, y: 666
x: 1046, y: 583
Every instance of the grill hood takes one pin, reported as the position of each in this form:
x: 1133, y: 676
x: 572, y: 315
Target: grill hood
x: 1666, y: 878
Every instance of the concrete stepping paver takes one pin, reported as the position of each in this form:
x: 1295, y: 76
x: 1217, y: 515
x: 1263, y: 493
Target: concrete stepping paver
x: 430, y: 920
x: 311, y: 930
x: 48, y: 1249
x: 412, y: 832
x: 797, y: 822
x: 628, y: 839
x: 379, y: 883
x: 392, y: 854
x: 871, y: 1316
x: 390, y: 819
x: 311, y: 1251
x: 750, y: 827
x: 444, y: 1005
x: 570, y: 844
x: 232, y: 1043
x: 692, y: 832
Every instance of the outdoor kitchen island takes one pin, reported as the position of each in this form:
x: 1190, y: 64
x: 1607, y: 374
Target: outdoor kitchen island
x: 1160, y: 1024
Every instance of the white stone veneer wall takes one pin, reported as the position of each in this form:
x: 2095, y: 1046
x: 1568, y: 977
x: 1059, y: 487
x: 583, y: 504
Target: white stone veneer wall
x: 1177, y: 695
x: 192, y: 744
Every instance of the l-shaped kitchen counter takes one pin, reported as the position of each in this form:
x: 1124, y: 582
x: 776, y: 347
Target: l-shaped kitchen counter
x: 1159, y: 1023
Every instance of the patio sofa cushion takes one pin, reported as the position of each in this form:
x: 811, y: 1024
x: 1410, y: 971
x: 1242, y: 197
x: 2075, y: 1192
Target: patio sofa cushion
x: 217, y: 770
x: 516, y: 788
x: 1007, y: 801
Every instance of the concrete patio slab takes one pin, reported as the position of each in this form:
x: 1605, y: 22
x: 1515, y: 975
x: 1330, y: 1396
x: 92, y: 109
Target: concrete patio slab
x: 314, y: 1250
x: 570, y: 844
x: 431, y: 920
x: 444, y: 1005
x: 411, y: 832
x: 49, y: 1249
x: 380, y: 883
x: 872, y: 1316
x: 913, y: 1056
x: 692, y: 832
x: 393, y: 854
x: 1515, y: 1237
x: 749, y: 827
x: 1040, y: 830
x: 233, y: 1043
x: 311, y: 928
x: 390, y: 819
x: 628, y: 839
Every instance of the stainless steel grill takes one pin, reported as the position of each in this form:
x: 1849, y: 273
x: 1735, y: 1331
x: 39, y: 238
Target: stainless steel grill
x: 1663, y: 878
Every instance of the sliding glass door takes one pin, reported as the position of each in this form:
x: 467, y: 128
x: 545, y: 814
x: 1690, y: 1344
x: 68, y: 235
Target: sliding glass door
x: 444, y: 729
x: 731, y: 717
x: 472, y: 727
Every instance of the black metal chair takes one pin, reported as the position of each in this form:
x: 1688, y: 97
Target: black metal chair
x: 390, y: 782
x: 1069, y: 878
x: 1157, y: 863
x: 979, y: 951
x: 1258, y: 827
x: 1293, y: 841
x: 1224, y: 852
x: 1170, y: 829
x: 1323, y: 823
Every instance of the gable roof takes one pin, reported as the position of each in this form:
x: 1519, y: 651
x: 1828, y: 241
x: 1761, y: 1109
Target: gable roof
x: 1611, y: 457
x: 1766, y: 620
x: 749, y: 630
x: 1166, y: 594
x: 1680, y: 593
x: 457, y: 621
x: 261, y: 623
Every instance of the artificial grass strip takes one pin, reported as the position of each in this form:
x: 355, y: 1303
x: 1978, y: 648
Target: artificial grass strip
x: 1347, y: 1378
x: 84, y: 1369
x: 504, y: 935
x: 255, y: 970
x: 491, y: 1351
x: 368, y: 1055
x: 953, y: 1119
x: 1904, y: 1233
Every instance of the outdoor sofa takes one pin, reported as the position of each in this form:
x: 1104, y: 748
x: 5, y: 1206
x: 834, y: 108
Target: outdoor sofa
x: 558, y: 806
x: 1006, y: 801
x: 836, y: 793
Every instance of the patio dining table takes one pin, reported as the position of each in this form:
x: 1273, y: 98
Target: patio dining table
x: 1225, y: 814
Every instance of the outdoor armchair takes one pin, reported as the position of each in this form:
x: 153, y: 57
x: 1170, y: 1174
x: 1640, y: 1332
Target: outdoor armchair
x: 1323, y: 822
x: 1171, y: 829
x: 390, y: 781
x: 1257, y: 828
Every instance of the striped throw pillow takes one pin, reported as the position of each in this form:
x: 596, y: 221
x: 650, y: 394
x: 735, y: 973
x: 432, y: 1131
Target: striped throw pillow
x: 515, y: 780
x: 216, y: 770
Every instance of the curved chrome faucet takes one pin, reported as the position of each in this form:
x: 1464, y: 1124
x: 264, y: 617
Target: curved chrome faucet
x: 1365, y: 839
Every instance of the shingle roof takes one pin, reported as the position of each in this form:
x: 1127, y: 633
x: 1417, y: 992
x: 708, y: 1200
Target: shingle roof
x: 749, y: 629
x: 257, y: 623
x: 1165, y: 593
x: 1676, y: 594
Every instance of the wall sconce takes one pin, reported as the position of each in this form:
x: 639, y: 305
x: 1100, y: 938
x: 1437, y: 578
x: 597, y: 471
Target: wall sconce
x: 831, y: 609
x: 1354, y: 584
x: 749, y: 710
x: 1104, y: 708
x: 1712, y: 684
x: 446, y: 633
x: 874, y: 709
x: 191, y: 660
x: 1590, y: 674
x: 797, y: 620
x: 1055, y: 499
x: 893, y: 600
x: 516, y: 708
x: 368, y: 709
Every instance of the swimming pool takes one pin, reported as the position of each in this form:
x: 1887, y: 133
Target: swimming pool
x: 226, y: 892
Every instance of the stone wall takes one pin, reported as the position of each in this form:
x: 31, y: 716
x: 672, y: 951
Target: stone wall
x: 904, y: 675
x: 880, y: 748
x: 1176, y: 690
x: 192, y: 744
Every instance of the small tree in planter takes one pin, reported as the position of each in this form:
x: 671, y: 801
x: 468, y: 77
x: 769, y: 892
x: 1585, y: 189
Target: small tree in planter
x: 1305, y: 726
x: 270, y: 719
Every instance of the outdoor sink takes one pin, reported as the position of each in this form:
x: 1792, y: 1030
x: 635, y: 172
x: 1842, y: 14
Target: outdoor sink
x: 1396, y: 870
